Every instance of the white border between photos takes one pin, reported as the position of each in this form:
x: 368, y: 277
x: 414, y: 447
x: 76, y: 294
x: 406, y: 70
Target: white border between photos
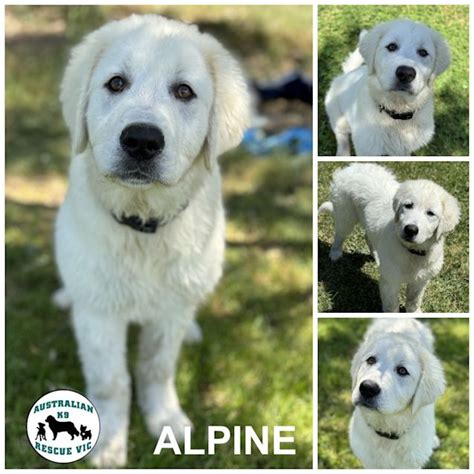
x: 387, y: 159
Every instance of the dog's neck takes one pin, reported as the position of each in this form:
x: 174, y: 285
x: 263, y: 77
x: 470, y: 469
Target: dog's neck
x: 396, y: 115
x: 400, y: 106
x: 389, y: 426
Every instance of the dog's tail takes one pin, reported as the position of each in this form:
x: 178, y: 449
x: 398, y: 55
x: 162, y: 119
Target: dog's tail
x: 326, y: 208
x: 355, y: 59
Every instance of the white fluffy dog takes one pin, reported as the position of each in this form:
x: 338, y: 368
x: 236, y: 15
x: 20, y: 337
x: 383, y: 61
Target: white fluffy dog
x: 384, y: 99
x: 150, y: 104
x: 396, y: 379
x: 404, y: 223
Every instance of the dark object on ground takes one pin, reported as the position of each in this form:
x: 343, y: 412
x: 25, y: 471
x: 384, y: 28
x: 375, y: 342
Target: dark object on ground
x: 291, y: 87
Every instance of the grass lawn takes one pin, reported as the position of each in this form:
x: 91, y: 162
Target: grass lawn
x: 255, y: 364
x: 351, y: 284
x: 338, y: 339
x: 338, y: 33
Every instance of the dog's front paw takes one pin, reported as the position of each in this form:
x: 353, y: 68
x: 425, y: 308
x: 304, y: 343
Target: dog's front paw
x: 110, y: 453
x: 177, y: 421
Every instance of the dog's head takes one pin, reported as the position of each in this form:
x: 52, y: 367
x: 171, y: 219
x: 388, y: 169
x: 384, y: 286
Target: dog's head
x: 424, y: 212
x: 391, y: 374
x: 403, y: 58
x: 149, y: 95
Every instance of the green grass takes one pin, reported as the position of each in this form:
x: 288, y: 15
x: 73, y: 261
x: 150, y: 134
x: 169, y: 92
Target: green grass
x: 338, y: 339
x: 255, y: 365
x: 338, y: 32
x: 351, y: 284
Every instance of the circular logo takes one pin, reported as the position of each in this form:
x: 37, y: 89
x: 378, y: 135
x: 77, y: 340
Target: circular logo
x: 63, y: 426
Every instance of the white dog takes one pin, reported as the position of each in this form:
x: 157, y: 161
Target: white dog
x: 384, y: 99
x: 404, y: 223
x: 150, y: 104
x: 396, y: 379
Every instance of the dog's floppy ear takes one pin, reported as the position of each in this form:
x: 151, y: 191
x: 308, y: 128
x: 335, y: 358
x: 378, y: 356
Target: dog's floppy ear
x: 396, y: 205
x: 450, y: 214
x: 442, y: 52
x: 230, y: 114
x: 76, y: 82
x: 432, y: 382
x: 355, y: 364
x: 368, y: 44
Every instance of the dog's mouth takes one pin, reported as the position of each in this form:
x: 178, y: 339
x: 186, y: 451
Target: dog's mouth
x: 361, y: 402
x: 402, y: 88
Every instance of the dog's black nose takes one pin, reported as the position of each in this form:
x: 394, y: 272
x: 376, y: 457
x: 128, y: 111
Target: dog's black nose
x: 142, y: 141
x: 369, y: 389
x: 405, y: 74
x: 410, y: 230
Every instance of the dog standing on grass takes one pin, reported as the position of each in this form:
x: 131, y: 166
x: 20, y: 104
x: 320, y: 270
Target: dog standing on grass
x: 405, y: 225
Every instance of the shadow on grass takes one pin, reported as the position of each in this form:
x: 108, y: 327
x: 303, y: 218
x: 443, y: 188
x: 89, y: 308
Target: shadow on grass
x: 350, y: 290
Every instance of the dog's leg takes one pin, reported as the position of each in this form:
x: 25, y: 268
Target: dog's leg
x: 343, y: 144
x: 344, y: 222
x: 160, y: 344
x: 102, y: 349
x: 389, y: 293
x: 415, y: 292
x: 373, y: 251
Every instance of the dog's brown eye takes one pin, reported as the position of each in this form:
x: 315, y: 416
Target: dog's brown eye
x: 392, y: 47
x: 402, y: 371
x: 423, y: 53
x: 408, y: 205
x: 116, y: 84
x: 184, y: 92
x: 430, y: 213
x: 371, y: 360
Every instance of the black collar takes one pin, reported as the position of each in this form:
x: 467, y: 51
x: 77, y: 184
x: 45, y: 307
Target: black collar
x: 149, y: 226
x: 420, y: 253
x: 396, y: 115
x: 388, y: 435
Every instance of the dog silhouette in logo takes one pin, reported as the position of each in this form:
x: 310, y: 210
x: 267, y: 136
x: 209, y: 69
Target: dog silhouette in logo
x: 58, y: 426
x: 41, y: 434
x: 85, y: 433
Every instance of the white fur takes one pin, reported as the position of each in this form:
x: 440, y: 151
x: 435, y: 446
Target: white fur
x: 370, y: 195
x: 405, y: 404
x: 369, y: 80
x: 112, y: 274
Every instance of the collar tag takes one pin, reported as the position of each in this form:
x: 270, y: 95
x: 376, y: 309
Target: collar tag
x: 395, y: 115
